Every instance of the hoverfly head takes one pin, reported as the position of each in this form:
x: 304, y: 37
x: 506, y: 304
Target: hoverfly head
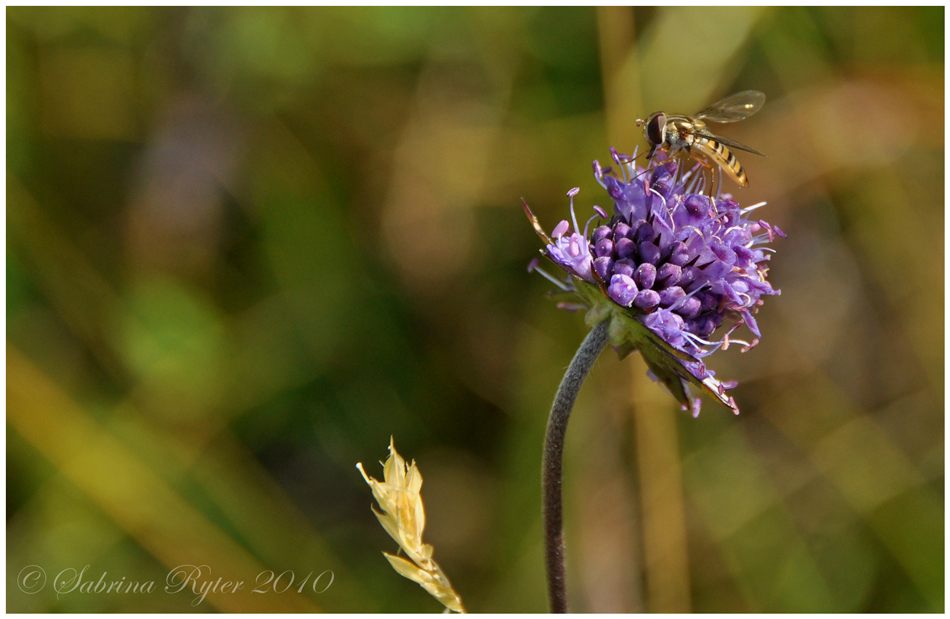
x: 653, y: 128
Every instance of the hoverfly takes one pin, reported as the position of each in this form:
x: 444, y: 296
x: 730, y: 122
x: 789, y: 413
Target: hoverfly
x: 678, y: 132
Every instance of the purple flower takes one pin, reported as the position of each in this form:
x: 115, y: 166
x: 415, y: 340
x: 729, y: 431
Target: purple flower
x: 671, y: 266
x: 572, y: 252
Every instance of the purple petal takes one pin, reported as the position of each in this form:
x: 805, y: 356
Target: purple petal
x: 604, y: 248
x: 668, y: 275
x: 689, y: 308
x: 679, y: 254
x: 669, y: 296
x: 614, y: 190
x: 625, y: 267
x: 698, y: 206
x: 625, y: 248
x: 603, y: 267
x: 744, y: 254
x: 602, y: 232
x: 702, y: 325
x: 750, y: 322
x: 649, y: 253
x: 645, y: 275
x: 644, y: 232
x: 647, y: 299
x: 695, y: 405
x: 688, y: 275
x: 723, y: 253
x: 708, y: 300
x: 622, y: 290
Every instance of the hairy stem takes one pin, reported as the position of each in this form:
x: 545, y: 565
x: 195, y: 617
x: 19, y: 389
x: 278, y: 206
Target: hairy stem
x: 552, y: 462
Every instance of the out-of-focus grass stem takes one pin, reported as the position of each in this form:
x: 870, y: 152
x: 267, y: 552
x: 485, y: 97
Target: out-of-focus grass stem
x: 664, y: 559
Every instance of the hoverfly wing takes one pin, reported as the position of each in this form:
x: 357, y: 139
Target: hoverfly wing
x: 734, y: 107
x: 731, y: 143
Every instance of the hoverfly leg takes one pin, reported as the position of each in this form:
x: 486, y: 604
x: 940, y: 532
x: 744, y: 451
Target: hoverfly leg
x: 699, y: 158
x: 650, y: 164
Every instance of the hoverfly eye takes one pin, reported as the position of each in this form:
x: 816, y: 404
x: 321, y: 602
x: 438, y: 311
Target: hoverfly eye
x: 654, y: 128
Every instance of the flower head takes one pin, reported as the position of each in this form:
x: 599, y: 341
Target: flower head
x: 404, y: 518
x: 670, y: 267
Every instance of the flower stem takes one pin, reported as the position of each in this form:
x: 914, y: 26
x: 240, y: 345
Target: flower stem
x: 552, y: 461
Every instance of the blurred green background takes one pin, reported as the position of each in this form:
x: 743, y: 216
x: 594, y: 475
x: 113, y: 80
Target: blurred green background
x: 246, y: 246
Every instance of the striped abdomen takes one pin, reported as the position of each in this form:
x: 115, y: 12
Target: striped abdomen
x: 722, y: 156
